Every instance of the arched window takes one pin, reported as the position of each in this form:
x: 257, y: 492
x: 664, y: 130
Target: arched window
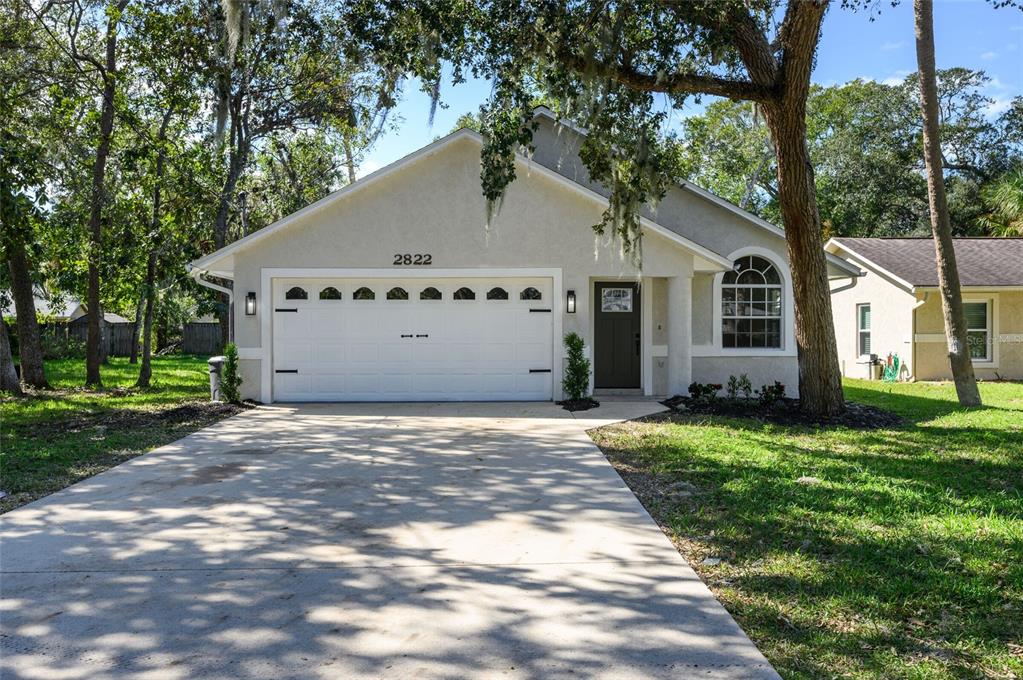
x: 530, y: 294
x: 464, y: 293
x: 497, y: 294
x: 397, y: 293
x: 296, y: 293
x: 364, y: 294
x: 330, y: 293
x: 430, y: 293
x: 751, y: 304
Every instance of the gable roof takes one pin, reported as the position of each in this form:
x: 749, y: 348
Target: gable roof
x: 208, y: 263
x: 698, y: 191
x: 61, y: 308
x: 213, y: 263
x: 982, y: 262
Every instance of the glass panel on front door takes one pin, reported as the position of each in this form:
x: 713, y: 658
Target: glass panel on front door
x: 616, y: 300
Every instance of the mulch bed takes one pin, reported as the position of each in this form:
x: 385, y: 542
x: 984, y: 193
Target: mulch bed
x: 783, y: 412
x: 578, y: 404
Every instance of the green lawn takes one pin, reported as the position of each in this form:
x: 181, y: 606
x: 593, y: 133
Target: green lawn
x: 904, y: 561
x: 57, y: 437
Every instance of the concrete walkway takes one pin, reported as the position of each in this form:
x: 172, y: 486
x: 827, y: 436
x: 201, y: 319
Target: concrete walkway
x: 361, y: 541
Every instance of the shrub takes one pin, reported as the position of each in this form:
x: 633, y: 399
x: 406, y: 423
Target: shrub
x: 771, y: 394
x: 733, y: 387
x: 704, y: 391
x: 741, y: 384
x: 230, y: 381
x: 60, y: 345
x: 576, y: 382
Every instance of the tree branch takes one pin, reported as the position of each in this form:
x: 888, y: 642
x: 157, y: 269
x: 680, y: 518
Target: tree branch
x: 673, y: 83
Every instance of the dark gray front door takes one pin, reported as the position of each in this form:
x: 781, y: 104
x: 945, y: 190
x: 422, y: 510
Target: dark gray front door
x: 616, y: 335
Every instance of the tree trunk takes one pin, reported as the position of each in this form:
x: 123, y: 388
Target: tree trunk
x: 146, y: 370
x: 136, y: 328
x: 30, y: 348
x: 820, y: 380
x: 93, y: 351
x: 236, y: 164
x: 149, y: 287
x: 349, y: 160
x: 948, y: 273
x: 8, y: 376
x: 161, y: 329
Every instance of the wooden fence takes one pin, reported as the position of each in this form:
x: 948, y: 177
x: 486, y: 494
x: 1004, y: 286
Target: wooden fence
x: 118, y: 336
x: 201, y: 338
x: 196, y: 338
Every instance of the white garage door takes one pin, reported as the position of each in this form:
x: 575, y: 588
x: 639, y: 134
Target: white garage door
x: 469, y: 339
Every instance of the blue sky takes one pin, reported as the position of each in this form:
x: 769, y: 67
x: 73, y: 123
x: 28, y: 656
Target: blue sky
x: 968, y: 33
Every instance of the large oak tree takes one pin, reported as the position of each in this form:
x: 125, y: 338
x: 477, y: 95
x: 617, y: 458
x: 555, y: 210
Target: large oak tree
x: 611, y: 66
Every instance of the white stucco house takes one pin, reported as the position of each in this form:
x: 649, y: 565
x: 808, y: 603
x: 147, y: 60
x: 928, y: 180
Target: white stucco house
x: 396, y: 288
x: 896, y: 308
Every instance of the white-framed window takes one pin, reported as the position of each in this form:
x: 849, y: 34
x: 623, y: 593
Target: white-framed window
x: 978, y: 329
x: 863, y: 329
x: 751, y: 304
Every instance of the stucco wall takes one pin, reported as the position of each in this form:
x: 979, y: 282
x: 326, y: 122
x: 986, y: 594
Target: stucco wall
x: 760, y: 370
x: 1007, y: 337
x: 891, y: 309
x: 435, y: 206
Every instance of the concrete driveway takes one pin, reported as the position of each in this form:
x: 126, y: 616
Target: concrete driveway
x: 361, y: 541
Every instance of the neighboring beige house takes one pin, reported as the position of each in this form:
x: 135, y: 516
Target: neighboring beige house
x: 398, y: 287
x: 896, y: 307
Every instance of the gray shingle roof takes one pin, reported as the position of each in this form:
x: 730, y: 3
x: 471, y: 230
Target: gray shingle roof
x: 981, y: 261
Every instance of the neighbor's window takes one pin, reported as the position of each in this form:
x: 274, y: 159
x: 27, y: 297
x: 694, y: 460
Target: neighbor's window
x: 863, y: 329
x: 751, y: 304
x: 978, y: 330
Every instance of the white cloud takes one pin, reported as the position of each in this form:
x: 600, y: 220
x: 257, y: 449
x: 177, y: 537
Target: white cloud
x: 896, y: 78
x: 989, y: 55
x: 998, y: 105
x: 892, y: 45
x: 367, y: 167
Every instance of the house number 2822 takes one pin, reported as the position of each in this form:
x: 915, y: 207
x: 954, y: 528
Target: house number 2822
x: 421, y: 259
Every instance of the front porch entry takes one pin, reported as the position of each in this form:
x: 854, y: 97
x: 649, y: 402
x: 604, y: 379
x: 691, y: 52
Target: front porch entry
x: 617, y: 335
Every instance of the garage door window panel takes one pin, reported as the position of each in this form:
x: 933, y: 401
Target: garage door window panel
x: 364, y: 293
x: 397, y: 293
x: 497, y: 294
x: 330, y: 293
x: 464, y: 293
x: 296, y: 293
x: 530, y: 293
x: 430, y: 293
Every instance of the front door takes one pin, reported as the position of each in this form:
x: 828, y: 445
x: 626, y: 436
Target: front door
x: 616, y: 335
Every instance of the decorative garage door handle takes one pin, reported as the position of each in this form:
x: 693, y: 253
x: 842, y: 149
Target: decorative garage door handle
x: 422, y: 335
x: 286, y: 370
x: 539, y: 310
x: 280, y: 309
x: 539, y: 370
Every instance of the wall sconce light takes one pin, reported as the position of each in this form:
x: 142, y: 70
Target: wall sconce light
x: 571, y: 302
x: 250, y: 304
